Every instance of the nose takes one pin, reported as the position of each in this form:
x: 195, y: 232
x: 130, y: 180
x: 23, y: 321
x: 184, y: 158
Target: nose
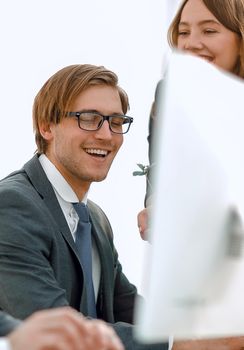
x: 193, y: 42
x: 104, y: 133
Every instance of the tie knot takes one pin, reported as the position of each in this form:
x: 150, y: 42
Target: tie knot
x: 82, y: 211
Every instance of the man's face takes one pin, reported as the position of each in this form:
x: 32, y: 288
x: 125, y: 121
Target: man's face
x: 85, y: 156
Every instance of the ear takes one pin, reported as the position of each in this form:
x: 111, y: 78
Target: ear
x: 46, y: 131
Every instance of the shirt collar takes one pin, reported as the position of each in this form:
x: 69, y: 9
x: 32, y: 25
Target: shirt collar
x: 59, y: 183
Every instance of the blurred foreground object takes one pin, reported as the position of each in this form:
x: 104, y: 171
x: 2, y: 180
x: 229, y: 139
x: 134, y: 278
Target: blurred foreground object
x: 193, y: 282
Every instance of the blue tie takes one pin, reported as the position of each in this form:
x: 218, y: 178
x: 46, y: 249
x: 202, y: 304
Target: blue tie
x: 84, y: 247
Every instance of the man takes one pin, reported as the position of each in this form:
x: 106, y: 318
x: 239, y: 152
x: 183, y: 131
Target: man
x: 61, y: 328
x: 79, y: 120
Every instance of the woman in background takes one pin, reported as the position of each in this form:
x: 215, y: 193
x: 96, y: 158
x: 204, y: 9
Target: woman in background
x: 212, y: 30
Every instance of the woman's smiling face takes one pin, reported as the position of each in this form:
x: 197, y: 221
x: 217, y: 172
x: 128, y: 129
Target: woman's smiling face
x: 201, y: 34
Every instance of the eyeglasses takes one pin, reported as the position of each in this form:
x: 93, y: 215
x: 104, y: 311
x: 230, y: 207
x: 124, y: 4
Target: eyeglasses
x: 91, y: 121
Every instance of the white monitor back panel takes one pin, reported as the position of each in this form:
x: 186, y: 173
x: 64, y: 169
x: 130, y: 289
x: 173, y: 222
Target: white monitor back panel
x: 193, y: 284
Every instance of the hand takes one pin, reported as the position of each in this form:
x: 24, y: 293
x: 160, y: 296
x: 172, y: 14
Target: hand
x: 142, y: 222
x: 229, y: 343
x: 63, y: 329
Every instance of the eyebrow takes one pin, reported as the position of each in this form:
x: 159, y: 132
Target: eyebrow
x: 88, y: 111
x: 206, y: 21
x: 96, y: 111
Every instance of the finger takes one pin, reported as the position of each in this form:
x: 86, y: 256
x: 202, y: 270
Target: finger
x: 62, y: 326
x: 103, y: 337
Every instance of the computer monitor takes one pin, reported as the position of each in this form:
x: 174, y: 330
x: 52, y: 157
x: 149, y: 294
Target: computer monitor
x: 194, y: 268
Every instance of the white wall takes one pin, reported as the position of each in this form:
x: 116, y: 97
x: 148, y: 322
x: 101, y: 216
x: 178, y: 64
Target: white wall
x: 40, y: 37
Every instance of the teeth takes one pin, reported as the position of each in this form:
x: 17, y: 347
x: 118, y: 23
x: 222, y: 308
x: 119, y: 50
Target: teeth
x: 207, y: 58
x: 100, y: 152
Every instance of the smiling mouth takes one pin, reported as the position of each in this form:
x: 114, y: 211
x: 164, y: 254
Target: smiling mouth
x: 95, y: 152
x: 207, y: 58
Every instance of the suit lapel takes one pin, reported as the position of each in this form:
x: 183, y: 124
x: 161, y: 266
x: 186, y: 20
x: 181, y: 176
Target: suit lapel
x: 42, y: 185
x: 104, y: 247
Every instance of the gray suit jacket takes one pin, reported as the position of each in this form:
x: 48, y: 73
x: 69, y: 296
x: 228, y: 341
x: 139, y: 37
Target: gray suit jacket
x: 7, y: 323
x: 39, y: 266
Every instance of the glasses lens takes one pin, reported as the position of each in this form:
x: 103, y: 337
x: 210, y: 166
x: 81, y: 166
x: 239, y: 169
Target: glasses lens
x: 119, y: 124
x: 90, y: 121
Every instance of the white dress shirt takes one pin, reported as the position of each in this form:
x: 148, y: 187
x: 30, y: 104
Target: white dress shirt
x: 4, y: 344
x: 66, y: 196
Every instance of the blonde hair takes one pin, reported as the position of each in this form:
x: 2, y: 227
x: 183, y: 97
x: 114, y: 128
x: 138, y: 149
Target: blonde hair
x: 230, y: 13
x: 60, y: 91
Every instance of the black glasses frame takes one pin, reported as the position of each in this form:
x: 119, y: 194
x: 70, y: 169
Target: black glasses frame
x: 127, y: 120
